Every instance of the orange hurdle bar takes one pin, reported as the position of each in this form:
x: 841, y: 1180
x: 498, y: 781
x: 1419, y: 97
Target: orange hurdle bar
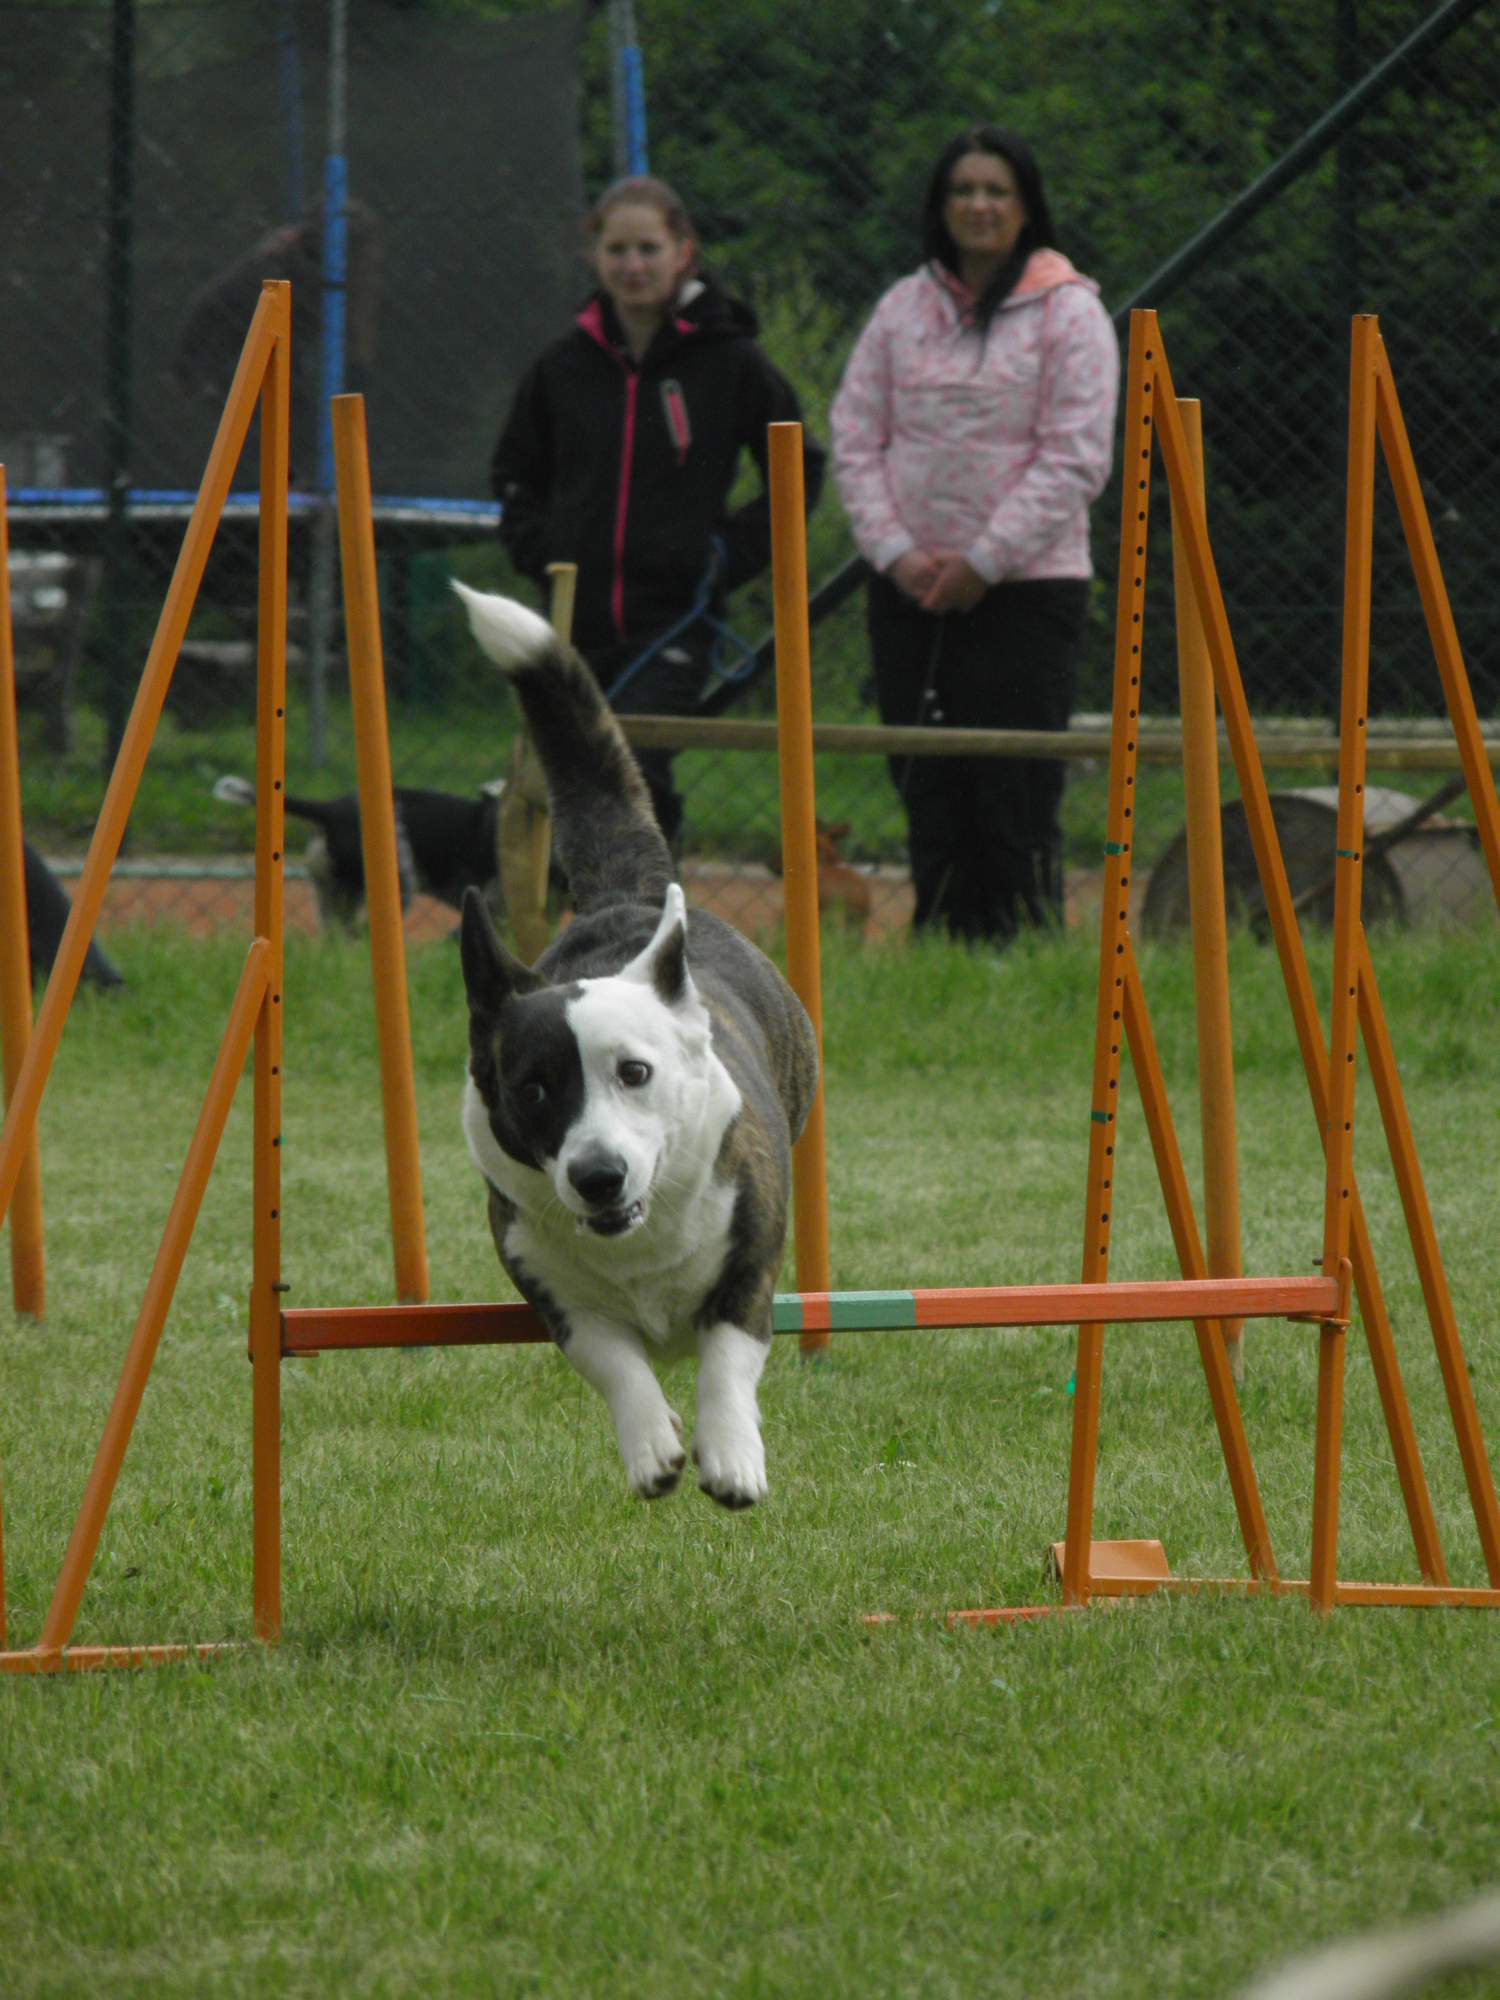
x: 320, y: 1329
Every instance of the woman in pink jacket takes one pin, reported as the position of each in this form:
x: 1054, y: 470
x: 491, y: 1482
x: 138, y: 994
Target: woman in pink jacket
x: 972, y: 430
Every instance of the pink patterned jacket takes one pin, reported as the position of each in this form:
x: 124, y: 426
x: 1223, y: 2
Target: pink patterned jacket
x: 997, y: 453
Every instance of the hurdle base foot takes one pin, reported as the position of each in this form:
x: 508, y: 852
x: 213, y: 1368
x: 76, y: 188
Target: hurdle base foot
x: 1121, y: 1568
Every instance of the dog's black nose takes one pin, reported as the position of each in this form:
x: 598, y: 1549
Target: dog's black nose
x: 599, y: 1177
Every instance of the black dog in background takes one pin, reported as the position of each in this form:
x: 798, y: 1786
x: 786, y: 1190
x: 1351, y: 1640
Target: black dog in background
x: 47, y: 913
x: 444, y: 845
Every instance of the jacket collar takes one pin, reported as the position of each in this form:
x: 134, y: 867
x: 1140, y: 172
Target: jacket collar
x: 599, y: 322
x: 1045, y: 270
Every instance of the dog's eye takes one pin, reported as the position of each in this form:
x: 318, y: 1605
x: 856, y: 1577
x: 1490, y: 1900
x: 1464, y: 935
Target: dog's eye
x: 533, y: 1095
x: 633, y: 1074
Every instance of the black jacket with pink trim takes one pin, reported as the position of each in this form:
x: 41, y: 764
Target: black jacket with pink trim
x: 626, y: 470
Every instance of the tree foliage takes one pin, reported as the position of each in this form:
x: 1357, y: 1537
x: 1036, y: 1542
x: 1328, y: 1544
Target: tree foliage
x: 802, y: 140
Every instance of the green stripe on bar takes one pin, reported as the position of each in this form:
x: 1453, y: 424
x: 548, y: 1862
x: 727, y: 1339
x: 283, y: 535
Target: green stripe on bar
x: 873, y: 1309
x: 849, y: 1312
x: 1117, y: 847
x: 853, y: 1310
x: 1101, y: 1117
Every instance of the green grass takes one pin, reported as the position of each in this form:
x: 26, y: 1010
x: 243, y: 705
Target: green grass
x: 525, y: 1735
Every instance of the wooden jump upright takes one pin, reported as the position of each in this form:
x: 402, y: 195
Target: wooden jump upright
x: 28, y: 1264
x: 377, y: 825
x: 1207, y: 904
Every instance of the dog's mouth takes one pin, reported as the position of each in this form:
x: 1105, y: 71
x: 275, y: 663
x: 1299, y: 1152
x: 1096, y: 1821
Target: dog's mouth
x: 615, y: 1221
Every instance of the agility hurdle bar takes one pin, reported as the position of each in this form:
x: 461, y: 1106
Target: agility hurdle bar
x: 336, y: 1329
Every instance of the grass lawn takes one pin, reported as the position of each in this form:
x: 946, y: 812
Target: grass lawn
x: 526, y: 1735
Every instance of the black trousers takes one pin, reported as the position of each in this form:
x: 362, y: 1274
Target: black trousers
x: 668, y: 684
x: 985, y: 835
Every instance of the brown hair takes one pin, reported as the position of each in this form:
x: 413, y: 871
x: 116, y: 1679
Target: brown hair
x: 644, y: 191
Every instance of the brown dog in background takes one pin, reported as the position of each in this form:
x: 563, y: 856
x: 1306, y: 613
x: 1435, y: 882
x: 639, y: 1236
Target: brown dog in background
x: 842, y: 890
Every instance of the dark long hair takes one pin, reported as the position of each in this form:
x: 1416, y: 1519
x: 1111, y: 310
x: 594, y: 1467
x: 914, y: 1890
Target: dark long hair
x: 938, y: 246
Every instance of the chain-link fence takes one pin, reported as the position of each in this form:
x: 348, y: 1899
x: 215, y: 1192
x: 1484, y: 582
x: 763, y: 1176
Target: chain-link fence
x: 151, y: 181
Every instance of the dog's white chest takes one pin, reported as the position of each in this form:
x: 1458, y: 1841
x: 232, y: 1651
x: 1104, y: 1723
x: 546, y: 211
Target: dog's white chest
x: 654, y: 1280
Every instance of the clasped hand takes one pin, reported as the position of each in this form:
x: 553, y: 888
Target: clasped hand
x: 938, y: 580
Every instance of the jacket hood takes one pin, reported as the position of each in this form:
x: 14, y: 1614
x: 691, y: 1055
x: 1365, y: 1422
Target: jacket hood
x: 703, y: 310
x: 1045, y: 270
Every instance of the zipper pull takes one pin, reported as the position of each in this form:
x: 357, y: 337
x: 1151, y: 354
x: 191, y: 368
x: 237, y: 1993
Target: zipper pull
x: 675, y: 414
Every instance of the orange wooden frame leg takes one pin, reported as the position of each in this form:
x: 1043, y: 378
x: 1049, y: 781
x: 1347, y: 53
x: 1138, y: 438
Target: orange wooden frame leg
x: 799, y: 841
x: 377, y: 816
x: 217, y: 1102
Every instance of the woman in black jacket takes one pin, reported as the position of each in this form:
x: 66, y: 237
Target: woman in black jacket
x: 619, y: 455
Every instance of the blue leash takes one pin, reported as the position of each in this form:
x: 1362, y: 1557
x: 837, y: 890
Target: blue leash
x: 731, y: 659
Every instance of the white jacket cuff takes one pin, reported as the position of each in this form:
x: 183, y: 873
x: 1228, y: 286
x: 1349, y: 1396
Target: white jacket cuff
x: 891, y: 550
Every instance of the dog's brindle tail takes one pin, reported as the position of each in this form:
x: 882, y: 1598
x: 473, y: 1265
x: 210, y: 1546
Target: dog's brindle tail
x: 232, y: 791
x: 604, y: 830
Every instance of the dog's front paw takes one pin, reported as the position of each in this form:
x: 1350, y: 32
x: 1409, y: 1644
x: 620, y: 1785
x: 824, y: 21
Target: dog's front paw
x: 731, y: 1465
x: 655, y: 1459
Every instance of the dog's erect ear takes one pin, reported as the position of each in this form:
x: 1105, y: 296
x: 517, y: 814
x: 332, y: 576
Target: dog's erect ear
x: 491, y: 973
x: 663, y: 964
